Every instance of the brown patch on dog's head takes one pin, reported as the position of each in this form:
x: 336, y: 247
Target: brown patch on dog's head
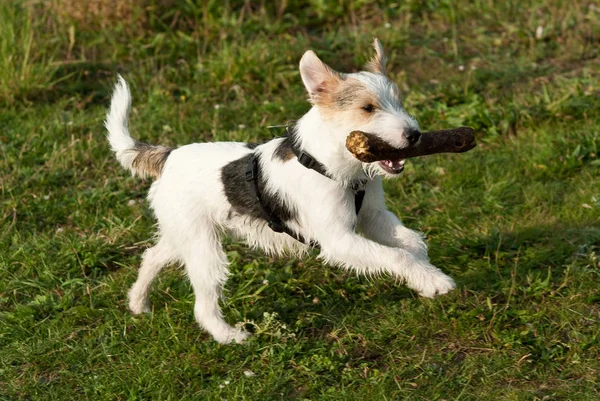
x: 377, y: 63
x: 349, y: 100
x: 149, y: 159
x: 350, y: 92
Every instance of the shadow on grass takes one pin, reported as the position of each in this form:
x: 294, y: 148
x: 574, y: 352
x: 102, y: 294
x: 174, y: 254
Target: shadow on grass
x: 520, y: 252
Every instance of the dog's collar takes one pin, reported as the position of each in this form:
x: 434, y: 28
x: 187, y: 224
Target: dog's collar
x: 308, y: 161
x: 305, y: 158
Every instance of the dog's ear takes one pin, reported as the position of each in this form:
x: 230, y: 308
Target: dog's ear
x: 377, y: 63
x: 319, y: 79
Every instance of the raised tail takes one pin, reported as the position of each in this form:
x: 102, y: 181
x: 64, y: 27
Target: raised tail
x: 140, y: 158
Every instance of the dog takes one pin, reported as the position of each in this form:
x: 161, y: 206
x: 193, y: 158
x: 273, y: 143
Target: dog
x: 284, y: 196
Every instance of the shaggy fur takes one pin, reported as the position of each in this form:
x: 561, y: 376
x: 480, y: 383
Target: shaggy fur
x: 200, y: 193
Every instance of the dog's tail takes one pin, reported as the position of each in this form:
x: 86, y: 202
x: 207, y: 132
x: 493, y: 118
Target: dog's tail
x: 141, y: 158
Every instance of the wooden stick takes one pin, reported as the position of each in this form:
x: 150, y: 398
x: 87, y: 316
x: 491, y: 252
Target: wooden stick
x: 369, y: 148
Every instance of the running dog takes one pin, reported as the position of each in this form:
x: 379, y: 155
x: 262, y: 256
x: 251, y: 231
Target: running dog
x: 284, y: 196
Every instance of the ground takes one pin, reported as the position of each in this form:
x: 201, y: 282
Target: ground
x: 515, y: 221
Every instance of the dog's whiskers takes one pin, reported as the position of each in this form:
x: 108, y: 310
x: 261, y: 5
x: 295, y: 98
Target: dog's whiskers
x: 370, y: 171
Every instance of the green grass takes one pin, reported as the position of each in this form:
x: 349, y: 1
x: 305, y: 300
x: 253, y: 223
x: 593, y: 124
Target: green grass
x: 516, y: 221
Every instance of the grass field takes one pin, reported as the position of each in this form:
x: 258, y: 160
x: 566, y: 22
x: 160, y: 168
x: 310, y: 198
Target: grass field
x: 516, y: 221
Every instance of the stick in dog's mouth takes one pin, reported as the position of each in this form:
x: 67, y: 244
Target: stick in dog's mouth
x: 369, y: 148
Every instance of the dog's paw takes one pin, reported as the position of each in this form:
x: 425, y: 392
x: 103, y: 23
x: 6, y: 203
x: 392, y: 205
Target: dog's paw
x: 431, y: 282
x: 229, y: 335
x: 137, y: 308
x: 137, y: 304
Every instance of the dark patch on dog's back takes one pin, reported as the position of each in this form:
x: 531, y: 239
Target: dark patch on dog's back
x: 242, y: 198
x: 251, y: 145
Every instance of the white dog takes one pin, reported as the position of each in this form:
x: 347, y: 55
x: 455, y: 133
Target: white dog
x: 283, y: 196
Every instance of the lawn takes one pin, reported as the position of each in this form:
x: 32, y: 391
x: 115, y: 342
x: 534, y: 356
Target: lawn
x: 516, y: 221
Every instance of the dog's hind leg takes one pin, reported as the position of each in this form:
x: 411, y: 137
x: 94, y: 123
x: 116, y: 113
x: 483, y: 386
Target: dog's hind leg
x: 154, y: 260
x: 206, y: 266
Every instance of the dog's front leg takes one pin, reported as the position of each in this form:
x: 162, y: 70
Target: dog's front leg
x: 384, y: 227
x: 367, y: 257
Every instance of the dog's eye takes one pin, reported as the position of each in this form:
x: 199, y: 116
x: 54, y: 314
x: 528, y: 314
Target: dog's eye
x: 369, y: 108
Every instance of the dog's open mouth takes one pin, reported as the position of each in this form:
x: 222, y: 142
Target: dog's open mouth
x: 392, y: 166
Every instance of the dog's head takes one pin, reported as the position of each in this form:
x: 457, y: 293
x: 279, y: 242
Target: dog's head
x: 367, y: 101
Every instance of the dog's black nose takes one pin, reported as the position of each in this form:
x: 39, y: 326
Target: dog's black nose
x: 412, y: 134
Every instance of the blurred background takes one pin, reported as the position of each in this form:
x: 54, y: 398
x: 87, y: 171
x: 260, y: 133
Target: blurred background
x: 442, y: 53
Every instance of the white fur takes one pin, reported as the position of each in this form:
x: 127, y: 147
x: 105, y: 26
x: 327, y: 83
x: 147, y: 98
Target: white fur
x: 193, y: 212
x: 116, y: 123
